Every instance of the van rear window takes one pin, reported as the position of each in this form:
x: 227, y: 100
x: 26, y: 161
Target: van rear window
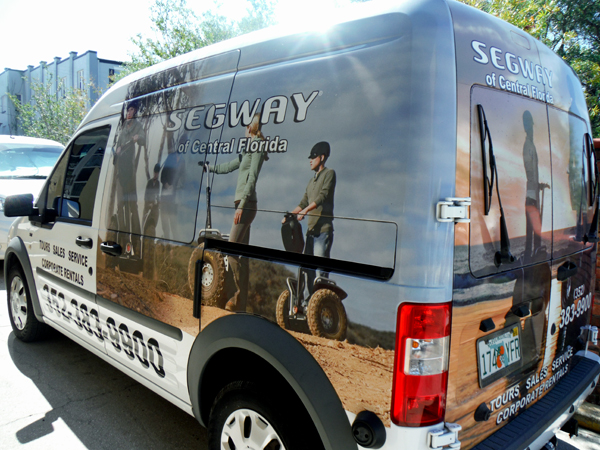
x: 522, y: 183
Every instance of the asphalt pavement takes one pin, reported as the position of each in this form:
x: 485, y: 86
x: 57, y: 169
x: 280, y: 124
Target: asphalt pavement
x: 56, y: 395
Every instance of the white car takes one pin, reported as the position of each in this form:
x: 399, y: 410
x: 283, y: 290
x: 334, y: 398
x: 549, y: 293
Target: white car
x: 25, y: 163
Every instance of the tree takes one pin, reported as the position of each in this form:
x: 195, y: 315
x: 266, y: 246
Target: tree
x: 180, y: 30
x: 571, y: 28
x: 51, y: 115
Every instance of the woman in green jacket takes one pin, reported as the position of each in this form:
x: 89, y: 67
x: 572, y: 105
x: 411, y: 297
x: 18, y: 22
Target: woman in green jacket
x: 248, y: 164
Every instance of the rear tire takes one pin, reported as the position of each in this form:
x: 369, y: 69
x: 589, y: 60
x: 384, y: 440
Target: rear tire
x: 244, y: 416
x: 282, y: 313
x: 327, y: 315
x: 20, y: 308
x: 213, y: 276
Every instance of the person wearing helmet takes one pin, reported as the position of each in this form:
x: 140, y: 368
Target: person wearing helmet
x: 317, y: 204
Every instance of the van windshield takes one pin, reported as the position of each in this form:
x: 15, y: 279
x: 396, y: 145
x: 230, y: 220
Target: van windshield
x: 27, y: 161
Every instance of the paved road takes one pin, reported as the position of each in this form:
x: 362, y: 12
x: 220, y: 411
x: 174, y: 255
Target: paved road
x: 56, y: 395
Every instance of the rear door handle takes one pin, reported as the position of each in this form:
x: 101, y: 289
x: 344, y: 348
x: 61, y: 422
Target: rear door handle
x: 111, y: 248
x: 84, y: 242
x: 566, y: 271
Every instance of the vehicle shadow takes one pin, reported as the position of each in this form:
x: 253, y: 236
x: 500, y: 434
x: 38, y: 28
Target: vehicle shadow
x: 103, y: 407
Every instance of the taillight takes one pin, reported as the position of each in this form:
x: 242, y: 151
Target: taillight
x: 421, y: 364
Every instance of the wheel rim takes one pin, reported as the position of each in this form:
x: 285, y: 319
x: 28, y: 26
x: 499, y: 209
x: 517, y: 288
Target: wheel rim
x: 208, y: 275
x: 328, y: 317
x: 18, y: 303
x: 246, y: 429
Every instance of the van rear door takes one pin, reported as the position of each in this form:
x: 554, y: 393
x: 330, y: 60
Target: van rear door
x: 503, y: 286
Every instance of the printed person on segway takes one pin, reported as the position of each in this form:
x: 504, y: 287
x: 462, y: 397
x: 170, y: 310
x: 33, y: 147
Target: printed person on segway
x: 316, y: 298
x: 129, y: 142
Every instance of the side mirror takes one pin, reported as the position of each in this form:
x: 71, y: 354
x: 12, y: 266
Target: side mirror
x: 19, y: 205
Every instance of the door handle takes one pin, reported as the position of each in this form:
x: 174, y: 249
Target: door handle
x: 84, y: 242
x: 111, y: 248
x: 566, y: 271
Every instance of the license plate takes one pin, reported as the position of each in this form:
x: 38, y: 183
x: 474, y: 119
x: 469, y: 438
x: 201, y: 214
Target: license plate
x: 498, y: 353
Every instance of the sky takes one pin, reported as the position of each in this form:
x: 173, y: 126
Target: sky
x: 39, y: 30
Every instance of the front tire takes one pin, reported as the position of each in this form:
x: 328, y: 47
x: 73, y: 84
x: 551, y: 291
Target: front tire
x: 245, y: 416
x: 327, y: 315
x: 20, y: 308
x: 282, y: 312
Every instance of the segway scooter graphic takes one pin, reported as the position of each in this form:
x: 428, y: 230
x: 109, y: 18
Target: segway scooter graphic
x: 215, y: 267
x: 322, y: 312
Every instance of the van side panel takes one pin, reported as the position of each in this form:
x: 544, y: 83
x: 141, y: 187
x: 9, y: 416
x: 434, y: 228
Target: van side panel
x: 380, y: 92
x: 148, y: 219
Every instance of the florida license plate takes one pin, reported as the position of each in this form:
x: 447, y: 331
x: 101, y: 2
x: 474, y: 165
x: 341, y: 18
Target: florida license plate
x: 498, y: 353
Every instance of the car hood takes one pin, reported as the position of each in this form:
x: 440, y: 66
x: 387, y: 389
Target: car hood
x: 20, y: 186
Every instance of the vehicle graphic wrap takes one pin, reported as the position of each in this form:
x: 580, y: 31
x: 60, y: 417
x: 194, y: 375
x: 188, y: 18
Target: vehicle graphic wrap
x: 520, y: 299
x: 279, y: 165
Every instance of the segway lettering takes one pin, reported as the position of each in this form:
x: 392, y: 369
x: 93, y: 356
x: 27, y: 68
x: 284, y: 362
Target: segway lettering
x: 132, y: 343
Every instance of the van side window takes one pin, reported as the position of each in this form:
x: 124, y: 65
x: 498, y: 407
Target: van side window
x: 519, y: 131
x: 154, y: 180
x: 72, y: 187
x: 54, y: 187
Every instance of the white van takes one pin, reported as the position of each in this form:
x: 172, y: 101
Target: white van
x: 186, y: 235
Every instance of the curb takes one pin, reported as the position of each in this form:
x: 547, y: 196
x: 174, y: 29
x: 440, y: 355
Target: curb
x: 588, y: 416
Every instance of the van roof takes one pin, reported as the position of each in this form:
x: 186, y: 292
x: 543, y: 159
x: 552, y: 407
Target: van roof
x: 112, y: 100
x: 285, y: 43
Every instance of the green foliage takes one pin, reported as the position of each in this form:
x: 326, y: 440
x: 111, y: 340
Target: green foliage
x: 50, y: 115
x: 260, y: 15
x: 180, y: 30
x: 571, y: 28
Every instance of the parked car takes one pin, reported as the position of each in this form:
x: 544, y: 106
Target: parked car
x: 25, y: 163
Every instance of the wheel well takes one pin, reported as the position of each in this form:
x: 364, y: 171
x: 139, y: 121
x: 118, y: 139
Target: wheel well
x: 10, y: 261
x: 235, y: 364
x: 17, y: 258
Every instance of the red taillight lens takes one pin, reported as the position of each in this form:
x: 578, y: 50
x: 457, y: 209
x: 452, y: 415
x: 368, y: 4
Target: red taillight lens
x: 421, y: 364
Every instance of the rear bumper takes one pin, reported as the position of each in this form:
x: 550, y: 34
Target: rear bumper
x: 536, y: 426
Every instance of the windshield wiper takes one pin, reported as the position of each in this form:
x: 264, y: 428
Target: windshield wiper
x: 504, y: 255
